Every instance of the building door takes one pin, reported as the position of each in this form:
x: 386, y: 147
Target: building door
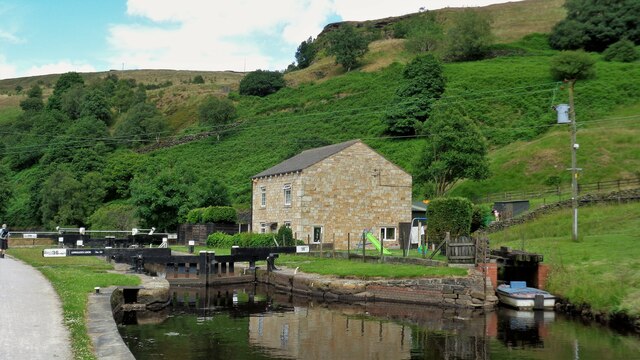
x: 317, y: 234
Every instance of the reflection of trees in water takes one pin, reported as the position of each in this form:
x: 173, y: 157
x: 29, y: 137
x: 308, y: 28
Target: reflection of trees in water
x: 428, y: 344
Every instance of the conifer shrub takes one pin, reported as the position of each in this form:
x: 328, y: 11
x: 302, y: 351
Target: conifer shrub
x: 451, y: 215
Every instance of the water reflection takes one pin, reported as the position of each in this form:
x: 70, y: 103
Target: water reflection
x: 257, y: 323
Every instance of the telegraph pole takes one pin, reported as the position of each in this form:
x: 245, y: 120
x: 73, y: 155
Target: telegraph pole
x: 574, y: 166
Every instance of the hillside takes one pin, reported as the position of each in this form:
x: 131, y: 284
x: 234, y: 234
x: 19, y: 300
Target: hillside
x: 509, y: 96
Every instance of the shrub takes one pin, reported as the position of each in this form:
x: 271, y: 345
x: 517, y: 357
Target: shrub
x: 285, y: 236
x: 253, y: 240
x: 220, y: 240
x: 219, y: 214
x: 195, y: 216
x: 480, y: 217
x: 622, y: 51
x: 451, y: 215
x: 261, y: 83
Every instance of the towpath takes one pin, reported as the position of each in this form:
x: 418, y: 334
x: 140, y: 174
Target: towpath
x: 31, y: 321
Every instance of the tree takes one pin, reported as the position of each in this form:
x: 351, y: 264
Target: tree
x: 347, y: 45
x: 596, y: 24
x: 96, y: 104
x: 572, y: 65
x: 115, y: 215
x: 261, y: 83
x: 424, y: 34
x: 5, y: 190
x: 141, y: 125
x: 215, y: 111
x: 469, y: 38
x: 164, y: 196
x: 65, y: 82
x: 424, y: 84
x: 622, y: 51
x: 305, y: 53
x: 455, y: 150
x: 34, y: 101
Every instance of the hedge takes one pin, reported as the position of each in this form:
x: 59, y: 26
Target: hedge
x: 451, y: 215
x: 212, y: 214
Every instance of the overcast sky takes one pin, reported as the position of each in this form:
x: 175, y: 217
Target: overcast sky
x: 55, y: 36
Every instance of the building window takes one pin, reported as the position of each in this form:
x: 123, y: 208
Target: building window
x: 287, y: 224
x: 317, y: 234
x: 388, y: 233
x: 263, y: 228
x: 287, y: 194
x: 263, y: 196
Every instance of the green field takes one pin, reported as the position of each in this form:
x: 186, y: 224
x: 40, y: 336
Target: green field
x: 602, y: 269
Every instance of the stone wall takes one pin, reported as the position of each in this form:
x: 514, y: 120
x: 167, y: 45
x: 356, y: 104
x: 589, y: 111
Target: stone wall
x: 472, y: 291
x: 590, y: 199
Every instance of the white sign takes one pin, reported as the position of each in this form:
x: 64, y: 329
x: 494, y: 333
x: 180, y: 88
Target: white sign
x: 192, y: 242
x: 29, y: 236
x: 60, y: 239
x: 302, y: 249
x: 79, y: 243
x: 54, y: 252
x: 172, y: 236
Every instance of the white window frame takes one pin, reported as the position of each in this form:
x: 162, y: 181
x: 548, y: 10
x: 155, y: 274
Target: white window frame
x: 384, y: 232
x: 263, y: 228
x: 313, y: 234
x: 287, y: 224
x: 287, y: 194
x: 263, y: 196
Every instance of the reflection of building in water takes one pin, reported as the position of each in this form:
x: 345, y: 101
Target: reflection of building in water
x: 319, y: 333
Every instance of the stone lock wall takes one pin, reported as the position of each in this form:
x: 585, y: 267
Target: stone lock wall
x: 464, y: 292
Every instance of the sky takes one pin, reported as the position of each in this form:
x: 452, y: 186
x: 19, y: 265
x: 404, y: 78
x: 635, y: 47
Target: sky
x: 55, y: 36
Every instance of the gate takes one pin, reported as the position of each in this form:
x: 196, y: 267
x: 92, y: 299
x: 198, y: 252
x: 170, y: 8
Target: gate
x: 467, y: 250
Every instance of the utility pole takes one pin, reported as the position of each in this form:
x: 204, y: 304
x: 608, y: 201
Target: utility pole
x: 574, y: 166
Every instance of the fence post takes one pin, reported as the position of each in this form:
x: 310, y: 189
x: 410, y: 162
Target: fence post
x: 333, y: 248
x: 364, y: 243
x: 348, y: 245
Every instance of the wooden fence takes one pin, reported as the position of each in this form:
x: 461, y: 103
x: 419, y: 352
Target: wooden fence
x: 560, y: 191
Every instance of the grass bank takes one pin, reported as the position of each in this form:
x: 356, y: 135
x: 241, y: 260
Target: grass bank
x: 74, y: 278
x: 602, y: 269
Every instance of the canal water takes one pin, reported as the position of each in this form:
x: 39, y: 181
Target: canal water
x: 257, y: 323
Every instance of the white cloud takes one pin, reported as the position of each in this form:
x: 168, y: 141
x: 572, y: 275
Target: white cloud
x: 207, y: 35
x: 60, y: 67
x: 237, y: 35
x: 9, y: 37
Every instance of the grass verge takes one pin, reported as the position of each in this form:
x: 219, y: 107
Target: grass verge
x: 74, y: 278
x: 602, y: 269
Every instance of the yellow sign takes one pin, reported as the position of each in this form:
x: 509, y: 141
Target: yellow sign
x: 426, y: 201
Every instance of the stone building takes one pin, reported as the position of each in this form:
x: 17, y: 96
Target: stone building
x: 331, y: 194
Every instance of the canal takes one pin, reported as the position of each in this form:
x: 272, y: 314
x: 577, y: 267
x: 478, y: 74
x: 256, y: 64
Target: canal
x: 255, y: 322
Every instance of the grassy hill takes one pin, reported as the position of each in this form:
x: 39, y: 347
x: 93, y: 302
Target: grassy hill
x: 510, y: 97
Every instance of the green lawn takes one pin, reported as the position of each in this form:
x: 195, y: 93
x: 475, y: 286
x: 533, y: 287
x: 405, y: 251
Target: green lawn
x: 602, y: 269
x: 74, y: 278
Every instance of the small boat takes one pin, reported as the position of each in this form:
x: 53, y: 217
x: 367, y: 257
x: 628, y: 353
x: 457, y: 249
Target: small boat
x: 521, y: 297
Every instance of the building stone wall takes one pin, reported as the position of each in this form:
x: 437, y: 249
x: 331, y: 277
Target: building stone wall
x: 350, y: 191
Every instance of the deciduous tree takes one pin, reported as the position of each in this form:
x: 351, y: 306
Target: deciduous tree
x: 347, y: 45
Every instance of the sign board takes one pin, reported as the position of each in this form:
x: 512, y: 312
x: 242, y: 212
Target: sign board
x: 172, y: 236
x: 54, y: 252
x: 79, y: 243
x: 302, y: 249
x: 60, y: 239
x: 192, y: 242
x: 85, y: 252
x: 29, y: 236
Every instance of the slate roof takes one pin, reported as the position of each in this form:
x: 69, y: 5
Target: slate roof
x: 305, y: 159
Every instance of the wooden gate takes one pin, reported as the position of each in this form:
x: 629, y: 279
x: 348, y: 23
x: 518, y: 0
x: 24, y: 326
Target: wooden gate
x: 467, y: 250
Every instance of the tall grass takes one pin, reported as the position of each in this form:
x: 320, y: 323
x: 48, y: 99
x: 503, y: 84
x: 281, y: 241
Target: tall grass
x: 74, y: 278
x: 601, y: 269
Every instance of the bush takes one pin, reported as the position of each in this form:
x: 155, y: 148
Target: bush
x: 480, y: 217
x: 212, y: 214
x: 285, y: 236
x: 622, y: 51
x: 261, y: 83
x: 220, y: 240
x: 219, y: 214
x: 451, y: 215
x: 253, y: 240
x: 195, y: 216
